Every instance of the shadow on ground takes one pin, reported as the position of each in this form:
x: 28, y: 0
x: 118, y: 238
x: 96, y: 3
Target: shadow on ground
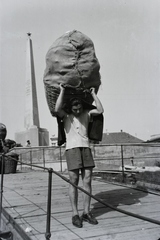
x: 116, y: 198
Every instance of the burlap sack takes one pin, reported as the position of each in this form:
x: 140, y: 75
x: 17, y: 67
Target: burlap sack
x: 71, y: 60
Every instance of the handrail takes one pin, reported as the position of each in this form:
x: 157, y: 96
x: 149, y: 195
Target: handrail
x: 106, y: 204
x: 33, y: 149
x: 120, y: 156
x: 8, y: 234
x: 2, y: 167
x: 50, y: 171
x: 131, y: 144
x: 100, y: 144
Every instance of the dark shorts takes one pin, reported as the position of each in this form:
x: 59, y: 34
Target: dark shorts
x: 79, y: 158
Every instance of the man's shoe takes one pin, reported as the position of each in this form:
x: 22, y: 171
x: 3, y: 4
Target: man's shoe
x: 76, y: 221
x: 88, y: 217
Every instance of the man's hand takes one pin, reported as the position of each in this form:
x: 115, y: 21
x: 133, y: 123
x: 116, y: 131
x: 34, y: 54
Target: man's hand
x: 99, y: 108
x: 92, y: 90
x: 58, y: 106
x: 62, y: 88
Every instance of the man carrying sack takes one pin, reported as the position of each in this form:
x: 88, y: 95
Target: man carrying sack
x: 78, y: 152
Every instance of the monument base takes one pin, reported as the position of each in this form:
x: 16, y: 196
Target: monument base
x: 37, y: 136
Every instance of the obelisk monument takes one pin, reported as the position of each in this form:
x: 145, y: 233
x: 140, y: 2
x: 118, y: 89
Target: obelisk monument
x: 36, y: 135
x: 31, y: 117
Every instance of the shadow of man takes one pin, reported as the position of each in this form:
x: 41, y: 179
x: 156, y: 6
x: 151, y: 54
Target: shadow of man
x: 116, y: 198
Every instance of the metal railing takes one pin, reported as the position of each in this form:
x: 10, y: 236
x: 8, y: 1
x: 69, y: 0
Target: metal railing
x: 9, y: 234
x: 117, y: 155
x: 3, y: 234
x: 51, y: 171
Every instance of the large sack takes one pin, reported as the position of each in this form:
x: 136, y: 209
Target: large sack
x: 71, y: 60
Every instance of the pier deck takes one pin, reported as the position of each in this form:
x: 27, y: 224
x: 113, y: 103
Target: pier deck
x: 25, y: 200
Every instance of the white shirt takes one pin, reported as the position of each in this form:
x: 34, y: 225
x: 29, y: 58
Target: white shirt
x: 76, y: 129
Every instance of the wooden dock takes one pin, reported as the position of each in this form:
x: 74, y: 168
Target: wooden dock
x: 25, y: 201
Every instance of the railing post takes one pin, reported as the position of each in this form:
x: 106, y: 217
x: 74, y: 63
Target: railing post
x: 2, y: 169
x: 48, y: 222
x: 4, y: 235
x: 123, y: 177
x: 43, y: 158
x: 31, y: 158
x: 60, y: 157
x: 20, y: 158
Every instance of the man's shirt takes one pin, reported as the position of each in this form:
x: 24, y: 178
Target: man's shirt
x: 76, y: 129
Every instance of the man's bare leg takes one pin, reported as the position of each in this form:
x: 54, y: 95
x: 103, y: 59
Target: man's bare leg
x: 73, y: 192
x: 87, y: 178
x: 87, y: 185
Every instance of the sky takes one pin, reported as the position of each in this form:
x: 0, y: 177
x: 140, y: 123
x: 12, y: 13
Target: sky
x: 126, y: 37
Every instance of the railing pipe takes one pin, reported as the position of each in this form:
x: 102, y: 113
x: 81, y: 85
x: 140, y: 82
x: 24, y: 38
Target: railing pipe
x: 31, y: 158
x: 123, y: 176
x: 43, y: 158
x: 8, y: 234
x: 48, y: 222
x: 20, y: 156
x: 2, y: 169
x: 60, y: 157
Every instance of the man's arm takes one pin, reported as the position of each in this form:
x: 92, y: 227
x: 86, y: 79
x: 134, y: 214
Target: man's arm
x: 59, y: 103
x: 99, y: 108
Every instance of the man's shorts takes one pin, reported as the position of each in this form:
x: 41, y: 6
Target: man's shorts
x: 80, y: 157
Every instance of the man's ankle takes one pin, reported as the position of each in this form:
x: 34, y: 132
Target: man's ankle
x: 75, y: 213
x: 86, y: 211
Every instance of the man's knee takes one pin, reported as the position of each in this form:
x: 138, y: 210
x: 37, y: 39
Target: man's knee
x: 87, y: 180
x: 74, y: 176
x: 87, y: 176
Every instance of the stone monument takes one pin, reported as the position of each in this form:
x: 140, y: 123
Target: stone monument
x: 36, y: 135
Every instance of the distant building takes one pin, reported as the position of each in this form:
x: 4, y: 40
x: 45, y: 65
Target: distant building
x: 119, y: 137
x: 54, y: 140
x: 154, y: 138
x: 110, y: 138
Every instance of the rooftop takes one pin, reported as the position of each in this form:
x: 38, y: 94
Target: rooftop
x: 119, y: 137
